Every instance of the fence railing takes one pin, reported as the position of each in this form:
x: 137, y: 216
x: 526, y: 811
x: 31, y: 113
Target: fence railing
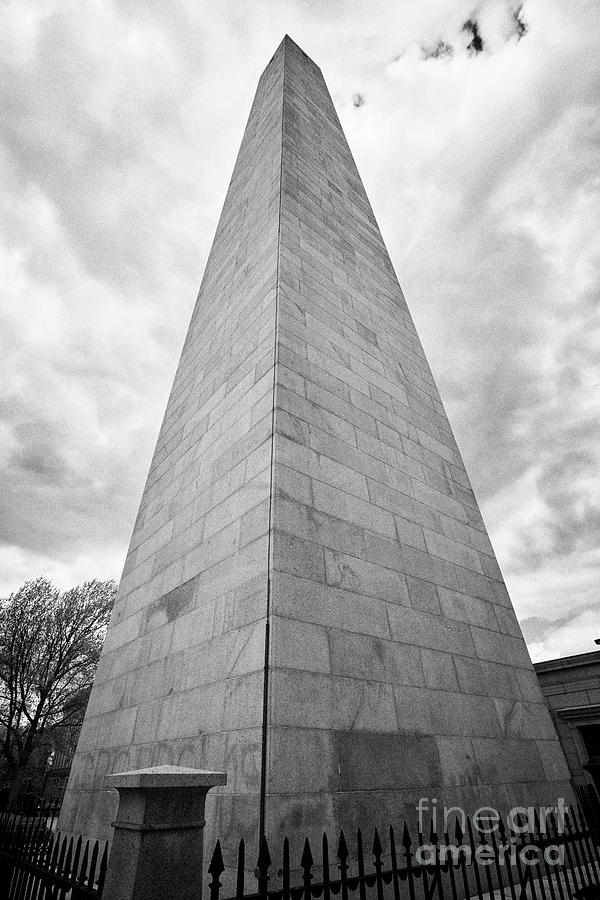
x: 38, y: 863
x: 556, y: 860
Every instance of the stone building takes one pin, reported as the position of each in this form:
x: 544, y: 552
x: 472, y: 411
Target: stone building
x: 310, y: 600
x: 571, y: 686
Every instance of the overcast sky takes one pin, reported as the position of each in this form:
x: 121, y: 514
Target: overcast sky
x: 476, y: 130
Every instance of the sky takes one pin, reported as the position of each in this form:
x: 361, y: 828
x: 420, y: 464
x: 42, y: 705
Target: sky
x: 476, y: 130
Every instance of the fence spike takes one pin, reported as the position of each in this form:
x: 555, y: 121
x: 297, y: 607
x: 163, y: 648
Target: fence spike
x: 307, y: 863
x: 216, y: 863
x: 458, y: 832
x: 377, y: 853
x: 63, y: 850
x: 377, y: 846
x: 241, y: 869
x: 307, y: 860
x: 84, y: 864
x: 342, y: 855
x: 76, y: 858
x: 286, y: 869
x: 394, y: 862
x: 406, y: 841
x: 102, y: 870
x: 68, y: 857
x: 93, y: 864
x: 360, y: 858
x: 342, y: 851
x: 325, y: 851
x: 262, y: 866
x: 264, y: 857
x: 216, y: 867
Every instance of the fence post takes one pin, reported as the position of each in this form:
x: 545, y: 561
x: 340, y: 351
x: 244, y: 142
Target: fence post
x: 157, y: 848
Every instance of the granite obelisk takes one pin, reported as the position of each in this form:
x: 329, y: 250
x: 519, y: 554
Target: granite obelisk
x: 310, y: 600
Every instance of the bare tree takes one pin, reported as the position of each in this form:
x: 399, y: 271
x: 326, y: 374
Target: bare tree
x: 50, y: 643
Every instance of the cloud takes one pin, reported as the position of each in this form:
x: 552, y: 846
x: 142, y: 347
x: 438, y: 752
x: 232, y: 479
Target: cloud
x: 490, y: 233
x: 439, y: 50
x: 475, y: 44
x: 566, y: 637
x: 120, y: 127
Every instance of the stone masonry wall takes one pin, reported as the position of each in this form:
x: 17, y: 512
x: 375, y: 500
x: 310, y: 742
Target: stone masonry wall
x: 306, y: 477
x: 181, y: 675
x: 397, y: 665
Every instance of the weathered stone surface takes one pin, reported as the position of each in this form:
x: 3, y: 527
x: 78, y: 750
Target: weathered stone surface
x: 306, y: 476
x: 181, y: 675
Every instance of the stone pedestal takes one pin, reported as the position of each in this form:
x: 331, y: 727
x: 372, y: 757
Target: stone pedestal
x: 157, y: 847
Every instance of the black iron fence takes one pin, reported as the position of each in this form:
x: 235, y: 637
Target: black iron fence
x: 38, y: 863
x: 556, y: 859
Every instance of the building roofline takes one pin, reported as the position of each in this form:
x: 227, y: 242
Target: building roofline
x: 568, y: 662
